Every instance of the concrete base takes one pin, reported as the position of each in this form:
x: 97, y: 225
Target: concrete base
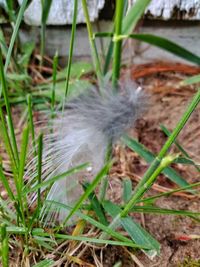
x: 58, y: 38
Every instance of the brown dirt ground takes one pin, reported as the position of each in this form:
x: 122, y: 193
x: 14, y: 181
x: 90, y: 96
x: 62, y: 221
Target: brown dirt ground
x: 167, y: 102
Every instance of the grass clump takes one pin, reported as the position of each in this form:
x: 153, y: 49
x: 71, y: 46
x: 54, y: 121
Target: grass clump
x: 20, y: 224
x: 189, y: 262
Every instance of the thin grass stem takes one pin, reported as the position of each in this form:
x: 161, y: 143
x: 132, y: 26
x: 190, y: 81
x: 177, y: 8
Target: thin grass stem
x: 71, y: 47
x: 23, y: 155
x: 7, y: 143
x: 31, y: 124
x: 4, y: 246
x: 46, y: 5
x: 53, y: 93
x: 117, y: 43
x: 14, y: 34
x: 8, y: 109
x: 95, y: 56
x: 39, y: 170
x: 184, y: 188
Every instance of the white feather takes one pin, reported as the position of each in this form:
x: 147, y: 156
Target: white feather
x: 81, y: 134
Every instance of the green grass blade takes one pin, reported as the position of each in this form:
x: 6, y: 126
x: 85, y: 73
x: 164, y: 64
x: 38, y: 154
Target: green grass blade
x: 89, y: 190
x: 53, y: 94
x: 46, y: 5
x: 23, y: 155
x: 40, y: 232
x: 104, y: 181
x: 159, y: 42
x: 157, y: 210
x: 148, y: 179
x: 6, y: 140
x: 93, y: 240
x: 27, y: 50
x: 140, y: 236
x: 169, y: 192
x: 4, y: 247
x: 108, y: 57
x: 10, y: 10
x: 143, y: 185
x: 161, y: 161
x: 15, y: 230
x: 19, y: 181
x: 191, y: 80
x: 3, y: 44
x: 8, y: 109
x: 127, y: 189
x: 168, y: 133
x: 31, y: 124
x: 39, y: 171
x: 71, y: 46
x: 97, y: 224
x: 45, y: 263
x: 111, y: 44
x: 190, y: 109
x: 167, y: 45
x: 136, y: 232
x: 149, y: 157
x: 134, y: 15
x: 117, y: 43
x: 45, y: 242
x: 14, y: 34
x: 94, y: 51
x: 96, y: 206
x: 6, y: 185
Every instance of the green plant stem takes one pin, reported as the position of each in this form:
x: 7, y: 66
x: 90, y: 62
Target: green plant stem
x: 104, y: 181
x: 8, y: 109
x: 11, y: 12
x: 42, y: 46
x: 157, y: 165
x: 46, y: 5
x: 89, y: 190
x: 31, y: 124
x: 55, y: 65
x: 4, y: 246
x: 117, y: 43
x: 39, y: 170
x: 14, y: 34
x: 23, y: 154
x: 71, y: 47
x: 181, y: 124
x: 7, y: 143
x: 169, y: 193
x: 182, y: 150
x: 20, y: 182
x: 95, y: 57
x: 143, y: 187
x: 163, y: 151
x: 6, y: 185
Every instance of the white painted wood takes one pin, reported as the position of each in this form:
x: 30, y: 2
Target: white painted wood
x: 164, y: 9
x: 61, y: 12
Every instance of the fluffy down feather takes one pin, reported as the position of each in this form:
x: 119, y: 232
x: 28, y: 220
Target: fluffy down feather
x: 81, y: 134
